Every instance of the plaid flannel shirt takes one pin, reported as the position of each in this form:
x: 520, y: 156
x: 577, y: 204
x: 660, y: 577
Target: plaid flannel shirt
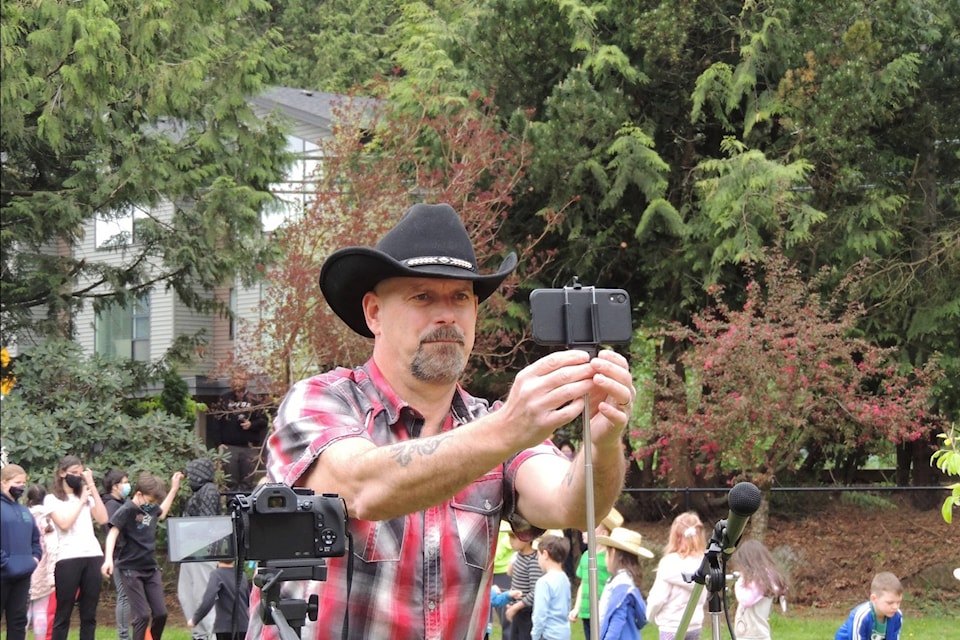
x: 423, y: 575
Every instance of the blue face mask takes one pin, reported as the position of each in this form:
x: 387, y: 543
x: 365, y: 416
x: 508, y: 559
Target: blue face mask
x: 147, y: 507
x: 125, y: 489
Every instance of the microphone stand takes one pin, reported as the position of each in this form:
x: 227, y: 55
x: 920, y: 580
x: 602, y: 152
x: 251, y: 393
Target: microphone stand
x: 711, y: 575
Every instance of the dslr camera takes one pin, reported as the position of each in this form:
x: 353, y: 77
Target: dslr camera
x: 275, y: 523
x: 279, y: 522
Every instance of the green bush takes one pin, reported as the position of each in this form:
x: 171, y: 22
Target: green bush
x: 68, y: 402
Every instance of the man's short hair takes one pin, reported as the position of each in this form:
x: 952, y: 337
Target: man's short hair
x: 885, y: 582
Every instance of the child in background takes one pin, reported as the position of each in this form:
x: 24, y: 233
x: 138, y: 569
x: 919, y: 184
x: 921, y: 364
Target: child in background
x: 74, y: 504
x: 670, y: 593
x: 194, y: 576
x: 116, y: 489
x: 551, y: 596
x: 581, y: 602
x: 42, y: 601
x: 761, y: 580
x: 498, y: 601
x: 501, y: 578
x: 20, y: 551
x: 622, y: 609
x: 232, y: 601
x: 879, y: 617
x: 524, y: 573
x: 134, y: 526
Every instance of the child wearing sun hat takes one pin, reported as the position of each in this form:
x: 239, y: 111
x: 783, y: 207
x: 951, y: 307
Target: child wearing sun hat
x: 623, y: 611
x: 581, y: 601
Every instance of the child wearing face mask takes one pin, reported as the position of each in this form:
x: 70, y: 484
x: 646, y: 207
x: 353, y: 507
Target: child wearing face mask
x: 133, y: 535
x: 20, y: 551
x: 73, y: 505
x: 116, y: 489
x: 43, y: 604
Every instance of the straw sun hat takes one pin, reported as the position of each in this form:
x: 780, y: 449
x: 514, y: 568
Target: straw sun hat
x: 625, y: 540
x: 612, y: 520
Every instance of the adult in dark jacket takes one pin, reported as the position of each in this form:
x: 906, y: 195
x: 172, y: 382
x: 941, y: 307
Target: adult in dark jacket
x: 194, y: 576
x: 241, y: 425
x: 20, y: 551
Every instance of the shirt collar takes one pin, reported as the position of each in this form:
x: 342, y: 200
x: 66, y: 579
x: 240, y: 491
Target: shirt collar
x: 394, y: 405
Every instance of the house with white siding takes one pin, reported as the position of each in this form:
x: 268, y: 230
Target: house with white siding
x: 146, y: 329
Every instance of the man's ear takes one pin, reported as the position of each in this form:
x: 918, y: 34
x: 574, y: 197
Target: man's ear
x: 371, y: 311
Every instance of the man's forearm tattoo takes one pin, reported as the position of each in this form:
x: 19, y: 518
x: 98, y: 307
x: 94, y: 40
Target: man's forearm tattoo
x: 404, y: 452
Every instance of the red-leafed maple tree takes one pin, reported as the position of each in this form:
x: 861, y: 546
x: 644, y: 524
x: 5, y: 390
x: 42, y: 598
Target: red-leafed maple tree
x: 379, y: 161
x: 763, y: 387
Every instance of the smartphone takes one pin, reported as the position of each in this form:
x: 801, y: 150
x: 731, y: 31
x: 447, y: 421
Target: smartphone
x: 581, y: 316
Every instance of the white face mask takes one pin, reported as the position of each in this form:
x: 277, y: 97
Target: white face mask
x: 125, y: 489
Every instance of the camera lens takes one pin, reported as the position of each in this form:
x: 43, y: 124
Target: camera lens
x: 618, y: 297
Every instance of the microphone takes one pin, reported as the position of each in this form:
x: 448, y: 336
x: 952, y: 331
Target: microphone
x: 744, y: 500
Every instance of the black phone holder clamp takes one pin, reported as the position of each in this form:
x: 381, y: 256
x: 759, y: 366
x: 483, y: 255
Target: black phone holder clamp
x: 592, y: 345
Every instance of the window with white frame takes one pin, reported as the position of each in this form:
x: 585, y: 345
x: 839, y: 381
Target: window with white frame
x: 298, y: 190
x: 117, y: 228
x: 124, y: 332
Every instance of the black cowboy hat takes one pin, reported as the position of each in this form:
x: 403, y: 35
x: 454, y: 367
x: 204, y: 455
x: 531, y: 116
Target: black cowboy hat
x: 428, y: 241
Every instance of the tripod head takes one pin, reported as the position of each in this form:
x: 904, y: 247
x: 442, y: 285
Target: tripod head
x: 288, y: 615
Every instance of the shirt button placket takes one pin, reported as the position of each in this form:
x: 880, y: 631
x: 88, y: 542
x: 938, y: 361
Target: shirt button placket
x: 432, y: 573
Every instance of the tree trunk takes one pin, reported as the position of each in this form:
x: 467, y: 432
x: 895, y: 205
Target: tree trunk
x: 904, y: 459
x: 760, y: 520
x: 925, y: 474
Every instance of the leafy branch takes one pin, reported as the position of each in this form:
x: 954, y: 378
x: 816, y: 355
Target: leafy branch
x: 947, y: 459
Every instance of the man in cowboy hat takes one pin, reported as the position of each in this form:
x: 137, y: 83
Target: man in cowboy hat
x: 427, y: 470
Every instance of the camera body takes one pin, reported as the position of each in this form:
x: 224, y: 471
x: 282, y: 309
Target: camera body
x: 283, y: 523
x: 579, y: 316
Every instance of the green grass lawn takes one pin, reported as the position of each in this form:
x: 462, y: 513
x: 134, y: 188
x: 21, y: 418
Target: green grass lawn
x: 796, y: 627
x: 789, y: 627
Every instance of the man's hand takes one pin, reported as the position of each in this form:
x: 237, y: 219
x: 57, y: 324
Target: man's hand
x: 611, y: 399
x: 551, y: 490
x: 545, y: 396
x: 550, y: 393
